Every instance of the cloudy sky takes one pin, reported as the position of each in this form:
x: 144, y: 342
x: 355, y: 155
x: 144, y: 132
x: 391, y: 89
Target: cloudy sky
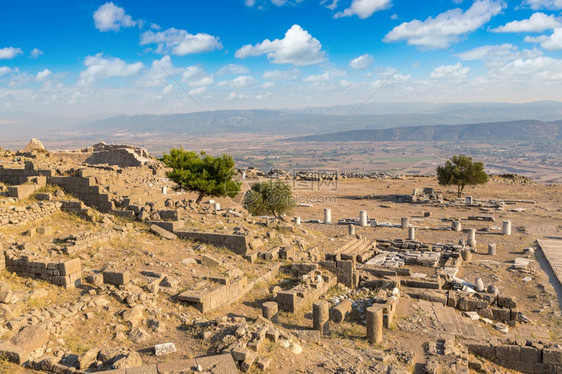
x: 78, y: 58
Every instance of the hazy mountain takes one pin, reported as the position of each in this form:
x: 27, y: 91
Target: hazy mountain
x: 525, y: 130
x: 474, y: 112
x: 273, y: 122
x: 323, y: 120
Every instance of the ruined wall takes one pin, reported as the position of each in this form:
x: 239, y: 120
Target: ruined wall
x: 21, y: 215
x: 224, y: 291
x: 344, y: 270
x: 21, y: 176
x: 110, y: 154
x: 85, y: 189
x: 236, y: 243
x: 67, y: 273
x: 318, y: 283
x: 527, y: 359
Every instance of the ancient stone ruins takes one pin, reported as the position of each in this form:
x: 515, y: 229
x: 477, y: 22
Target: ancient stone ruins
x: 105, y: 266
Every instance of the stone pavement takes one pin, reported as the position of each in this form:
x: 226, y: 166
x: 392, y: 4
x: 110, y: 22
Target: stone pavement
x: 552, y: 249
x: 452, y: 322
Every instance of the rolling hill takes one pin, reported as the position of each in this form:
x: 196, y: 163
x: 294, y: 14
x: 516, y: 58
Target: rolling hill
x: 525, y: 130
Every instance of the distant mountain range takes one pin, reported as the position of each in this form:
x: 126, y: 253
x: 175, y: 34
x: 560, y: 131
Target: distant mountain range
x: 285, y: 122
x: 323, y: 120
x: 526, y: 130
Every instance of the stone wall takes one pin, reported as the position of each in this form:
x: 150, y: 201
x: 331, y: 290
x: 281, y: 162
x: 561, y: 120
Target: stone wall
x: 344, y: 270
x: 85, y: 189
x: 223, y: 291
x: 236, y: 243
x: 21, y: 215
x: 66, y: 273
x: 21, y: 176
x: 527, y: 359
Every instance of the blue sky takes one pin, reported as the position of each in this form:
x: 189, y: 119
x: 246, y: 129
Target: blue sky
x: 79, y: 58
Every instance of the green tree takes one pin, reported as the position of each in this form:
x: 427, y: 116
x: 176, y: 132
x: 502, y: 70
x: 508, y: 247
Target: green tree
x: 272, y: 197
x: 461, y: 171
x: 203, y: 173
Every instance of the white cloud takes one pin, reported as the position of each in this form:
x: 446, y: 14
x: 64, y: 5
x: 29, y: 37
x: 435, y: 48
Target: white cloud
x: 550, y: 43
x: 233, y: 69
x: 395, y: 79
x: 282, y: 74
x: 35, y: 53
x: 198, y: 90
x: 318, y: 78
x: 536, y: 23
x: 236, y: 96
x: 447, y: 27
x: 241, y: 81
x: 495, y: 57
x: 543, y: 67
x: 4, y: 70
x: 252, y: 3
x: 298, y: 47
x: 157, y: 75
x: 42, y: 75
x: 110, y: 17
x: 180, y: 42
x: 364, y: 8
x: 554, y: 41
x: 267, y: 85
x: 99, y: 67
x: 330, y: 4
x: 346, y: 84
x: 475, y: 54
x: 195, y: 76
x: 456, y: 71
x: 7, y: 53
x: 361, y: 62
x: 543, y: 4
x: 168, y: 89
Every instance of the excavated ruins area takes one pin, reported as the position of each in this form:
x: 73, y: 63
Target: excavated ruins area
x: 104, y: 265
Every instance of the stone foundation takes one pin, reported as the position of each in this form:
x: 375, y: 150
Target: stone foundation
x: 67, y: 273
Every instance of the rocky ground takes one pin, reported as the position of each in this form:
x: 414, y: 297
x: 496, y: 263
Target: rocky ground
x: 103, y: 326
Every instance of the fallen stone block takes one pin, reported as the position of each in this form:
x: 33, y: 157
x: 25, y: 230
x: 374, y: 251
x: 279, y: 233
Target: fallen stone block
x: 5, y: 293
x: 263, y: 363
x: 162, y: 232
x: 249, y: 361
x: 132, y: 360
x: 28, y: 339
x: 210, y: 261
x: 218, y: 363
x: 86, y: 359
x: 117, y: 278
x: 174, y: 367
x: 164, y: 349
